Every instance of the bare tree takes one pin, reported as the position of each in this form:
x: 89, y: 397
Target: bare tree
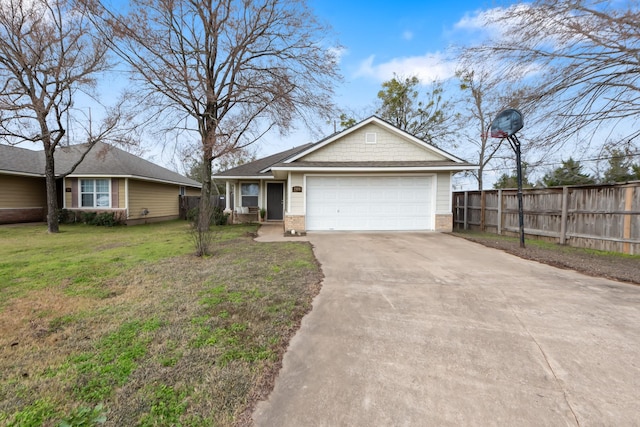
x: 228, y: 70
x: 48, y: 53
x: 584, y: 57
x: 480, y: 104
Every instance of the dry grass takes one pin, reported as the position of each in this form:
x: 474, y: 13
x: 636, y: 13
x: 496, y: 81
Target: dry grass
x: 176, y: 340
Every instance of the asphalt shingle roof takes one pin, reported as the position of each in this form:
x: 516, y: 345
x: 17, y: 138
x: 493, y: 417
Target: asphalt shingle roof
x: 21, y: 161
x: 254, y: 168
x: 102, y: 159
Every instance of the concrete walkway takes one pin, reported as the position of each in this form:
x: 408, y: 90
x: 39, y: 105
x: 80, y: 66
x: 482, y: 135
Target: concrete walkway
x: 426, y: 329
x: 274, y: 232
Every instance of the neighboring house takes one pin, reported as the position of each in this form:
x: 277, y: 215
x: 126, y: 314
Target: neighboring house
x: 107, y: 180
x: 371, y: 176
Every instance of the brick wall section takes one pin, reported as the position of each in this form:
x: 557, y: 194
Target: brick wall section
x: 14, y: 216
x: 294, y: 222
x: 444, y: 222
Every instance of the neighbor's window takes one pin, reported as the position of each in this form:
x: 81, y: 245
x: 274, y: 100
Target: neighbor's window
x: 94, y: 193
x: 249, y: 194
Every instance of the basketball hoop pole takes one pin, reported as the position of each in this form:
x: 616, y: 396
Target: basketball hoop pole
x: 515, y: 144
x: 505, y: 125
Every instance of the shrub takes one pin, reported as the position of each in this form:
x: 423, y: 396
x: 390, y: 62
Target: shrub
x: 63, y: 216
x: 88, y: 217
x: 218, y: 216
x: 106, y: 219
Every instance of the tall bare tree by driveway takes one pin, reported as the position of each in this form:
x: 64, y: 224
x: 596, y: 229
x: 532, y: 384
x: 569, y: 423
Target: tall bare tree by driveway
x: 229, y: 71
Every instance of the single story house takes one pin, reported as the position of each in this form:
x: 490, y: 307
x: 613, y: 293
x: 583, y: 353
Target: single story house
x: 371, y: 176
x: 107, y: 180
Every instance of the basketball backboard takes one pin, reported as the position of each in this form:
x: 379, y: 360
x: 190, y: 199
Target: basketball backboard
x: 507, y: 123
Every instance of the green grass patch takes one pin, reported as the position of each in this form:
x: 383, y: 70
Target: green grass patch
x: 34, y: 415
x: 81, y: 257
x: 125, y: 326
x: 116, y: 357
x: 167, y: 406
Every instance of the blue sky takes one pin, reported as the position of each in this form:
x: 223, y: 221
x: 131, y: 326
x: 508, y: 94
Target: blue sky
x: 408, y: 37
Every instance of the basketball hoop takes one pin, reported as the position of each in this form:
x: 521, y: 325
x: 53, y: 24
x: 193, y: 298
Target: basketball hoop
x: 505, y: 126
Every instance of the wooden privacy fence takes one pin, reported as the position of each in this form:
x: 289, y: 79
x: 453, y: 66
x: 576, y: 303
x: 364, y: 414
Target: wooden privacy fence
x: 604, y: 217
x: 186, y: 203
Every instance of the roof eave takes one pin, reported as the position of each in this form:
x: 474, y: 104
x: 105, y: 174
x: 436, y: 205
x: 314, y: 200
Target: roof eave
x: 377, y: 168
x: 245, y: 177
x: 18, y: 173
x: 141, y: 178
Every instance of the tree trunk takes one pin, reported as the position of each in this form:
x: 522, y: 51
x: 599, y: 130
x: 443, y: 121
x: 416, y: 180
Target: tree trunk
x: 52, y: 196
x: 204, y: 210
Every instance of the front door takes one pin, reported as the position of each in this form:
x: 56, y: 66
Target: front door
x: 275, y: 201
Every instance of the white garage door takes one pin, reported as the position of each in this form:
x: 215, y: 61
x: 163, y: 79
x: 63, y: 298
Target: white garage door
x: 369, y: 203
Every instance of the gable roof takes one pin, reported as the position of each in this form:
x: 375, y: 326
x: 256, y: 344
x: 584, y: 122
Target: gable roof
x: 260, y: 168
x: 293, y: 159
x: 102, y: 160
x: 384, y: 124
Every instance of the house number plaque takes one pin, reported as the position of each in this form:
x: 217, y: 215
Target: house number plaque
x: 297, y: 189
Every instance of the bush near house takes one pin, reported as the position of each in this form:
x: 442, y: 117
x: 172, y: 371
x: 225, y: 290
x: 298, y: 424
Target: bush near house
x: 107, y: 219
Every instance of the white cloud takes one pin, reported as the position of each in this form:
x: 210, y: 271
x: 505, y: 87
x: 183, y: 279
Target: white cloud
x: 338, y: 53
x: 407, y: 35
x: 428, y: 67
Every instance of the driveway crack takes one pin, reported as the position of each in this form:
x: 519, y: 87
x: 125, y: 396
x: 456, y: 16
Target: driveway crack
x: 546, y: 359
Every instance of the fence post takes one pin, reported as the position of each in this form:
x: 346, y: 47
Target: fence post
x: 500, y: 211
x: 466, y: 210
x: 626, y: 231
x: 483, y: 206
x: 564, y: 216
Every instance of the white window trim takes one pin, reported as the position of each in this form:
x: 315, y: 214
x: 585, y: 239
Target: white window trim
x: 80, y: 193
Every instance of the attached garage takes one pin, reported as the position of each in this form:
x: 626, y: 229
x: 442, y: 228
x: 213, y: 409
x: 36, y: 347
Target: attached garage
x: 376, y: 203
x: 371, y: 176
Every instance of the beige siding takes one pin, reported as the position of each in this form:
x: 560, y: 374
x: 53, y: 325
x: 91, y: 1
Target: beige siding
x: 443, y: 193
x: 161, y: 200
x: 389, y: 146
x: 68, y: 196
x: 22, y: 192
x: 122, y: 193
x: 297, y: 199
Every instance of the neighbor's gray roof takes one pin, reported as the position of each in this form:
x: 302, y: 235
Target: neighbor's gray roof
x: 21, y: 161
x: 102, y: 159
x: 254, y: 168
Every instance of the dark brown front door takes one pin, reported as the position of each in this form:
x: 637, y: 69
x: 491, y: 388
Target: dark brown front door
x: 275, y: 201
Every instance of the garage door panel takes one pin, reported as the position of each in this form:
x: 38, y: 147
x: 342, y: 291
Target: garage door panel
x: 369, y: 203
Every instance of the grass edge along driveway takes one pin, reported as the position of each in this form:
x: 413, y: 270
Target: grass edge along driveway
x: 124, y: 326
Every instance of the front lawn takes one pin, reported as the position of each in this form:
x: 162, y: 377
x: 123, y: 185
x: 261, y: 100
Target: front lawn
x: 124, y: 326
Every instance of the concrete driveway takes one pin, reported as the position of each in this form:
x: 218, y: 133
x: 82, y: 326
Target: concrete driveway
x: 428, y: 329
